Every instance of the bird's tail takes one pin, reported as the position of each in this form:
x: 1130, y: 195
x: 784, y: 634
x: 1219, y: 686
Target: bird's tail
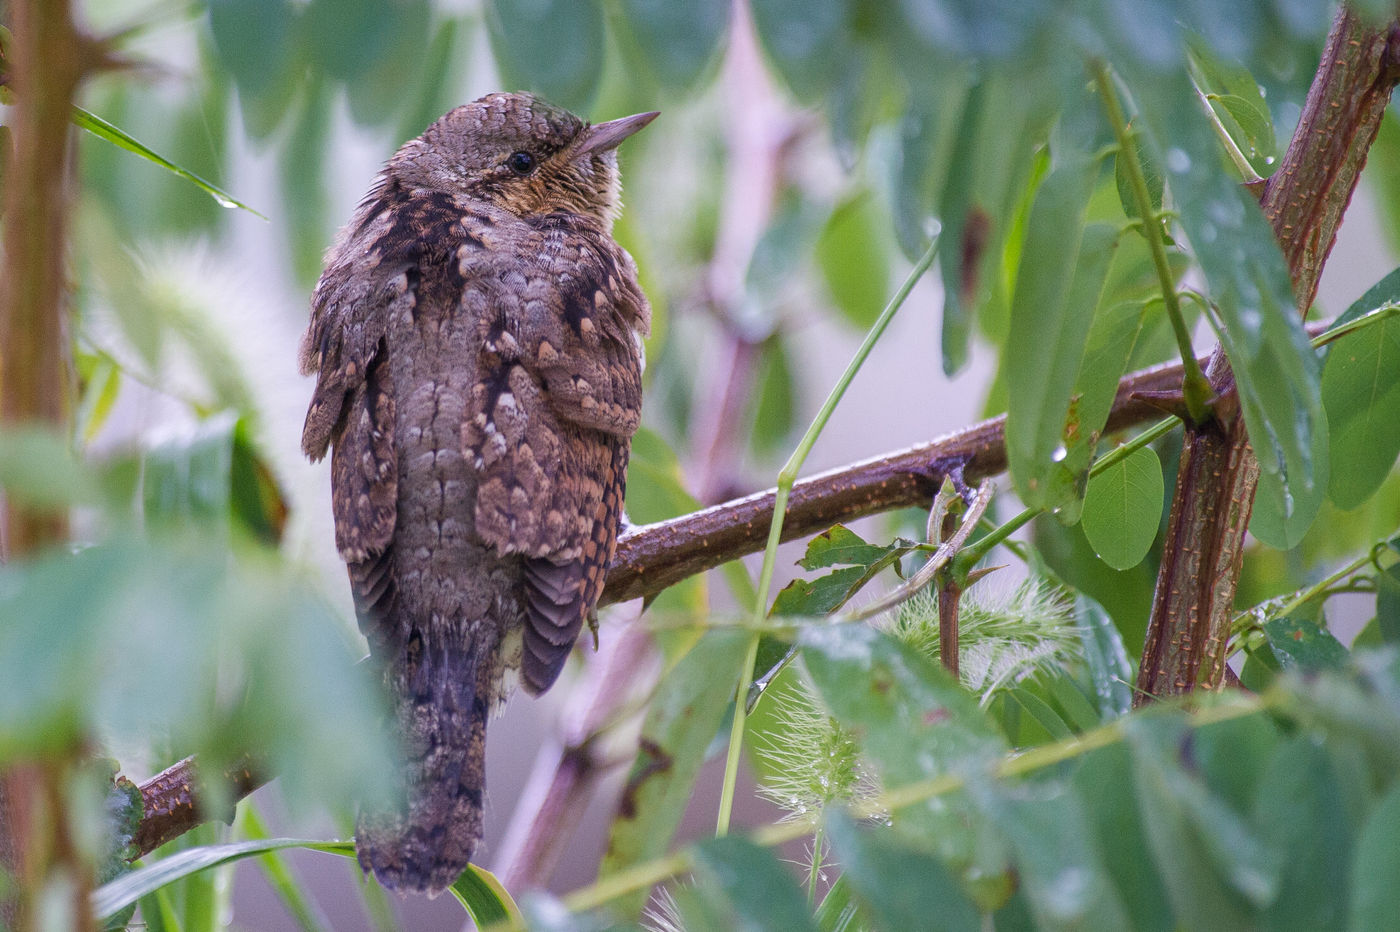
x: 423, y: 839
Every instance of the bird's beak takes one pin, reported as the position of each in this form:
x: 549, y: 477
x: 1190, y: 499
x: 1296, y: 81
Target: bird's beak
x: 605, y: 136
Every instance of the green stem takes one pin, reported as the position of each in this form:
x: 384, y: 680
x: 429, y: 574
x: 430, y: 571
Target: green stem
x: 973, y: 553
x: 1196, y: 390
x: 786, y: 477
x: 1357, y: 323
x: 815, y: 869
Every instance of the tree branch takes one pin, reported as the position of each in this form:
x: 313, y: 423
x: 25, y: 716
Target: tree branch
x: 654, y: 556
x: 1304, y: 202
x: 173, y: 804
x: 51, y: 57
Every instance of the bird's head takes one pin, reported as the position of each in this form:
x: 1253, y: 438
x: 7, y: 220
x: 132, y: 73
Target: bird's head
x: 523, y: 154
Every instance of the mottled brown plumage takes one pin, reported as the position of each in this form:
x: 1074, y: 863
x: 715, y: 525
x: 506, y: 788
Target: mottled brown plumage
x: 475, y: 339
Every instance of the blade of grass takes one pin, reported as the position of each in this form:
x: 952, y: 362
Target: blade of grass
x: 118, y: 137
x: 786, y: 477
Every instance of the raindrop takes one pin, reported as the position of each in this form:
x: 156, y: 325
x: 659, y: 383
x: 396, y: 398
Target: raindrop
x: 1178, y: 162
x: 1058, y: 456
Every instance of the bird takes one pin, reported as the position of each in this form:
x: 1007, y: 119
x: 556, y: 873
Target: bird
x: 476, y: 341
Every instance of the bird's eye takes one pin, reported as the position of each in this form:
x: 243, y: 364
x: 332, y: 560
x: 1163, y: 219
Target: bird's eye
x: 522, y: 163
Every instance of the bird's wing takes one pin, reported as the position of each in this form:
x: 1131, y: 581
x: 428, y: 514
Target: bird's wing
x: 352, y: 406
x: 548, y: 427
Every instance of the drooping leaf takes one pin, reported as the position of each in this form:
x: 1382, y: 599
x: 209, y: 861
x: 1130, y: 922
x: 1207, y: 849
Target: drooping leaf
x: 378, y: 95
x: 853, y: 259
x: 1055, y: 855
x: 1375, y: 896
x: 1106, y: 657
x: 552, y: 47
x: 1106, y: 778
x: 681, y: 719
x: 676, y: 41
x: 102, y: 129
x: 913, y: 721
x: 1276, y: 369
x: 345, y: 38
x: 1300, y: 808
x: 898, y: 886
x: 801, y: 38
x: 1123, y: 508
x: 254, y: 40
x: 110, y: 898
x: 484, y: 897
x: 749, y: 887
x: 1052, y: 308
x: 1212, y: 861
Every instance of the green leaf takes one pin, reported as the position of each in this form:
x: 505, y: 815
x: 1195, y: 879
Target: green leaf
x: 484, y: 897
x: 682, y: 718
x: 802, y: 37
x: 837, y: 912
x: 1123, y: 508
x: 989, y: 173
x: 1275, y: 367
x: 1106, y: 657
x: 853, y: 260
x: 1041, y: 711
x: 913, y: 721
x: 655, y: 490
x: 254, y: 41
x: 1388, y: 605
x: 676, y: 41
x: 1055, y: 857
x: 38, y: 468
x: 775, y: 404
x: 749, y: 885
x: 1361, y: 392
x: 898, y: 886
x: 1305, y: 645
x: 1213, y: 862
x: 345, y: 38
x: 1375, y: 896
x: 1256, y: 128
x: 1105, y: 778
x: 1302, y: 815
x: 111, y: 898
x: 929, y: 133
x: 1061, y: 273
x: 303, y: 185
x: 1107, y: 349
x: 836, y: 546
x: 378, y: 96
x: 552, y: 47
x: 103, y: 130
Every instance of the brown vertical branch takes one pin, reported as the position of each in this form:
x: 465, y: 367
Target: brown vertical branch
x: 1304, y: 201
x: 44, y: 75
x: 49, y: 59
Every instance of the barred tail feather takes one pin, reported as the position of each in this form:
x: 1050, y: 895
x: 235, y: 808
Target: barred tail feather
x: 423, y: 841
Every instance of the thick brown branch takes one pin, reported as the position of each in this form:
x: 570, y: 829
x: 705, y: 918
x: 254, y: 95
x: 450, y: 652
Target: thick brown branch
x: 1304, y: 202
x: 172, y: 802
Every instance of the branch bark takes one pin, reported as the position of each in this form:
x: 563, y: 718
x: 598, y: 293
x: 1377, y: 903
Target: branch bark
x: 1304, y: 201
x: 51, y: 57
